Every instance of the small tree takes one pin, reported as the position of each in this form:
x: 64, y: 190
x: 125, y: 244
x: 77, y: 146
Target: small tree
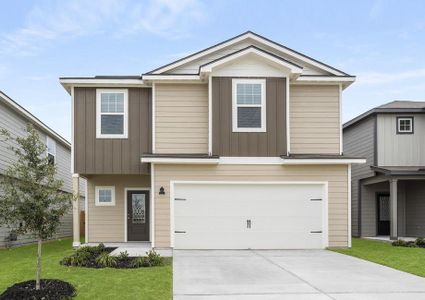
x: 31, y: 195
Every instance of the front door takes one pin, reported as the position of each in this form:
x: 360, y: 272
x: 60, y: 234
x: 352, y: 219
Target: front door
x: 383, y: 214
x: 137, y: 216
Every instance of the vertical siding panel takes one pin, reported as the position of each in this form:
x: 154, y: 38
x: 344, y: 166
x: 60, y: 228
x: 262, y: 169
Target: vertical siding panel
x: 134, y: 113
x: 80, y: 133
x: 229, y: 143
x: 281, y: 121
x: 224, y: 116
x: 112, y: 156
x: 215, y: 94
x: 107, y: 156
x: 272, y: 114
x: 116, y: 157
x: 90, y: 135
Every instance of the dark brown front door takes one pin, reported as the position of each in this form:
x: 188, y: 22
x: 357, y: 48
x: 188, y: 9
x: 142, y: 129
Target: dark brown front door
x: 137, y: 216
x: 383, y: 214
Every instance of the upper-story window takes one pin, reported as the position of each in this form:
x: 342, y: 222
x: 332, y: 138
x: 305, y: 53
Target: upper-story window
x: 51, y: 150
x: 111, y: 113
x: 404, y: 124
x: 249, y: 105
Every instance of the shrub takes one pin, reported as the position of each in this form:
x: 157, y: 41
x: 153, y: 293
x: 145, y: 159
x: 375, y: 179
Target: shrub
x: 123, y: 255
x: 79, y: 258
x: 420, y: 242
x: 106, y: 260
x: 401, y: 243
x: 154, y: 258
x: 140, y: 262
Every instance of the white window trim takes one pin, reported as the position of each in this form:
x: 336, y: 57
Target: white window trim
x: 410, y: 119
x: 99, y: 134
x: 97, y: 189
x: 235, y: 105
x: 48, y: 138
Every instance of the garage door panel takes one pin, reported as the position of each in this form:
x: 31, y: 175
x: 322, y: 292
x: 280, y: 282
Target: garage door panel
x: 216, y: 216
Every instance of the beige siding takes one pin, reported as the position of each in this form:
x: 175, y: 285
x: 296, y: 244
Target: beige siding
x: 335, y: 175
x: 181, y: 112
x: 314, y: 119
x: 106, y: 223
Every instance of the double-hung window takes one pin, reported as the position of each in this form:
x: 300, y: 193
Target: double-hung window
x: 51, y: 150
x: 249, y: 105
x: 405, y: 125
x: 111, y: 113
x: 105, y: 196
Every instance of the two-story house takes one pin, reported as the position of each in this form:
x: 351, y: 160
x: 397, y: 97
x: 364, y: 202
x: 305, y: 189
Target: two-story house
x: 14, y: 118
x: 236, y: 146
x: 388, y: 192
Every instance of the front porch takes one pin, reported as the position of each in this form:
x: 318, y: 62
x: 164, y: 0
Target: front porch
x: 392, y: 204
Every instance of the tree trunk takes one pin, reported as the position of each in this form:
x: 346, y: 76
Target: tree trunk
x: 38, y: 273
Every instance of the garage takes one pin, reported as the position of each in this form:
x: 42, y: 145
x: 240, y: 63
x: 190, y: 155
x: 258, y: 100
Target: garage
x: 251, y: 215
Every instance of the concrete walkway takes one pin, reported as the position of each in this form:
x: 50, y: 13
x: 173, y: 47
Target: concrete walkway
x: 287, y: 274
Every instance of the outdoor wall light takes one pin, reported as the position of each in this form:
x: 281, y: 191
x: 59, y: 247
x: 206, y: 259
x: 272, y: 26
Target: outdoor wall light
x: 161, y: 190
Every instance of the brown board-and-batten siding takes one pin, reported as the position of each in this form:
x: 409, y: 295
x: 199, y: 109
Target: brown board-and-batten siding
x: 229, y: 143
x: 112, y: 156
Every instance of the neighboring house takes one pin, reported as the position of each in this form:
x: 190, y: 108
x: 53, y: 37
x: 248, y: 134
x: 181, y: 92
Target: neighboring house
x: 14, y: 118
x: 236, y: 146
x: 388, y: 192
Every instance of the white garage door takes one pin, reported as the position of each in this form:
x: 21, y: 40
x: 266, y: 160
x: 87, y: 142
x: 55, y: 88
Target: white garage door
x: 249, y: 216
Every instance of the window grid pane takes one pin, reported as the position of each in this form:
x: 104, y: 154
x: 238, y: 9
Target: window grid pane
x: 248, y: 93
x: 105, y: 196
x: 112, y: 102
x: 405, y: 125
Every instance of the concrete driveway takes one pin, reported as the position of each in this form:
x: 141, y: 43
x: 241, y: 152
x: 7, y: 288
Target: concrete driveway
x: 287, y: 274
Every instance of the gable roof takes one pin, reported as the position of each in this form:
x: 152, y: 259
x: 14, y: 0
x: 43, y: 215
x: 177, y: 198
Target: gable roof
x: 249, y: 35
x: 32, y: 119
x: 398, y: 104
x: 294, y: 68
x: 390, y: 107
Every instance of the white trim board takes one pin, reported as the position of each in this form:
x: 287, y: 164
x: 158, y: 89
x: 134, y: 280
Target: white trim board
x: 252, y: 161
x: 153, y: 118
x: 323, y: 161
x: 99, y: 134
x: 125, y: 210
x: 239, y: 160
x: 325, y: 208
x: 86, y: 212
x: 235, y: 105
x: 349, y: 205
x: 170, y: 160
x: 152, y: 206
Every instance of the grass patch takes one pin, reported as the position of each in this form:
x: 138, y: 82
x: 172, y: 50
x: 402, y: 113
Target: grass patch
x: 18, y: 264
x: 409, y: 260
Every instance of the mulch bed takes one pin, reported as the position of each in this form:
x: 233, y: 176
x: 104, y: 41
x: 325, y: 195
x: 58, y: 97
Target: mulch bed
x: 50, y: 289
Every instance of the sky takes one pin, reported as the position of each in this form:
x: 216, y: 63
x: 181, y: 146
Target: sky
x: 381, y: 42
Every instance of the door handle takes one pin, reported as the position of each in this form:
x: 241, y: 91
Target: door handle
x: 248, y: 224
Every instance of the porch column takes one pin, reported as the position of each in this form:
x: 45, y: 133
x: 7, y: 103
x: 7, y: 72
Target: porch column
x: 393, y: 209
x: 76, y: 210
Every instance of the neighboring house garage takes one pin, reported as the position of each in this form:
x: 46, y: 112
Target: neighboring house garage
x: 250, y: 215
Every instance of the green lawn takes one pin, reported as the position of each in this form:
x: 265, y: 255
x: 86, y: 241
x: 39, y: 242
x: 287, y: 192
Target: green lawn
x: 411, y: 260
x: 18, y: 264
